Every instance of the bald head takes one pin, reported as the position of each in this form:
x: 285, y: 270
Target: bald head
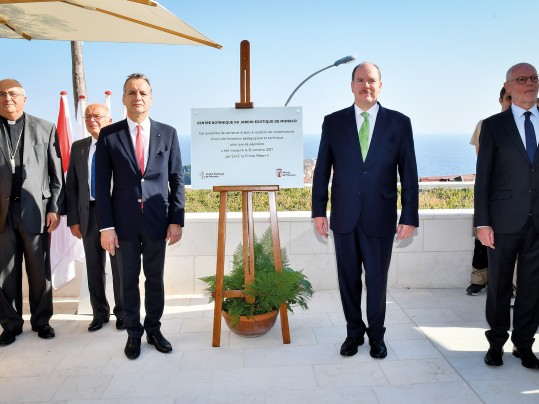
x: 521, y: 83
x: 96, y: 116
x: 517, y: 69
x: 12, y: 99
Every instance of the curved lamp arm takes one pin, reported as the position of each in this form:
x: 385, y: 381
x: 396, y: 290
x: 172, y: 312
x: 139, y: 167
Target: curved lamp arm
x: 346, y: 59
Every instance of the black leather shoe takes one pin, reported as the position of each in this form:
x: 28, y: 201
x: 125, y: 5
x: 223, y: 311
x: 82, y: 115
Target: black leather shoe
x: 493, y: 357
x: 350, y: 345
x: 44, y: 331
x: 529, y: 360
x: 156, y: 339
x: 378, y: 348
x: 132, y: 348
x: 97, y: 324
x: 120, y: 324
x: 8, y: 337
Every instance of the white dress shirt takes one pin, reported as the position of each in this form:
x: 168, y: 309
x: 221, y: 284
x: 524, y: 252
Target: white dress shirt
x: 518, y: 114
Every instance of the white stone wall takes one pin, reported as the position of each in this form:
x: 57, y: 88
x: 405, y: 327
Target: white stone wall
x: 438, y: 256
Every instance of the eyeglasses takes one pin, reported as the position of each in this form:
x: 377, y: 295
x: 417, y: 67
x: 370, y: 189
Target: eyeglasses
x: 523, y: 79
x: 11, y: 94
x: 96, y: 117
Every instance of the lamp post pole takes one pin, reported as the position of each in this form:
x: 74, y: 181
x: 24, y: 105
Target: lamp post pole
x: 346, y: 59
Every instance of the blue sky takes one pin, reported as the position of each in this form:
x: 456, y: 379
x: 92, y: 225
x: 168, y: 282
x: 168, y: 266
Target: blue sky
x: 443, y: 63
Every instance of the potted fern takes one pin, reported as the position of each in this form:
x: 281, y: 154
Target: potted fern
x: 269, y: 289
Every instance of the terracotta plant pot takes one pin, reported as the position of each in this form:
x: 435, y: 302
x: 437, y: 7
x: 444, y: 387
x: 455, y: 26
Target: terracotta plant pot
x: 252, y: 326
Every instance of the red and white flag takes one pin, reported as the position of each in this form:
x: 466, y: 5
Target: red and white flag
x: 65, y: 248
x: 108, y: 93
x: 64, y: 130
x: 80, y: 127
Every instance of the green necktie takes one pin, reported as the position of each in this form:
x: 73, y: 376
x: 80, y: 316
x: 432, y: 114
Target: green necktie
x: 364, y: 135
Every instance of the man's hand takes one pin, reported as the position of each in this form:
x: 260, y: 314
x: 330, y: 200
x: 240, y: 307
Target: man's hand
x: 486, y: 236
x: 52, y: 221
x: 321, y: 225
x: 405, y: 231
x: 75, y: 230
x: 174, y: 233
x: 109, y: 241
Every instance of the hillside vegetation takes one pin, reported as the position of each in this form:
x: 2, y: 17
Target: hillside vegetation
x: 299, y: 199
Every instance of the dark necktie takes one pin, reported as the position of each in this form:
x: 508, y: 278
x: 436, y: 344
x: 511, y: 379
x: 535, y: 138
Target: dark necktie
x: 531, y: 140
x: 92, y: 178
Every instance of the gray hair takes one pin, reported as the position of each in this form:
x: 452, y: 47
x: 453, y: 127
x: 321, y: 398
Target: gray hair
x: 134, y: 76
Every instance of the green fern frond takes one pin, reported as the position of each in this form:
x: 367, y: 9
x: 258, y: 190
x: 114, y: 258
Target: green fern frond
x: 269, y: 288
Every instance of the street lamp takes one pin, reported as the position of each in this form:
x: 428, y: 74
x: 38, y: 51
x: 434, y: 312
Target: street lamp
x: 346, y: 59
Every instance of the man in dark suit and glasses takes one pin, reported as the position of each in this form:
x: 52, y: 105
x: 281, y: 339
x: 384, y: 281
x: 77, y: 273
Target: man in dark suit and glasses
x: 366, y: 146
x: 146, y: 208
x: 81, y: 219
x: 31, y: 201
x: 507, y: 217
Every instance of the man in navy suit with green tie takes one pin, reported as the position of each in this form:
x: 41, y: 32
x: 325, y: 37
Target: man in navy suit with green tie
x: 367, y: 148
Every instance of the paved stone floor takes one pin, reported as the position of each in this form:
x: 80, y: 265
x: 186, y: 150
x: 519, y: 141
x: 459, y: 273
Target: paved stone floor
x: 435, y: 339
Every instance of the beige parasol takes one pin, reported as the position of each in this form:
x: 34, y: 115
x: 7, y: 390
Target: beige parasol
x: 138, y: 21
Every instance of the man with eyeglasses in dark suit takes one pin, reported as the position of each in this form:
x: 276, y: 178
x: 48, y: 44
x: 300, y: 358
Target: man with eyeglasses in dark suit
x: 507, y: 217
x: 81, y: 219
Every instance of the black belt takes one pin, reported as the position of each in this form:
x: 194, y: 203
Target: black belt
x: 15, y: 198
x: 92, y: 203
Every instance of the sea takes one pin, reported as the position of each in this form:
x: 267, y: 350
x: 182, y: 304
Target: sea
x: 437, y: 155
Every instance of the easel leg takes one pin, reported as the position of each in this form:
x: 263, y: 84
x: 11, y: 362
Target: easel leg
x: 278, y: 262
x: 220, y: 271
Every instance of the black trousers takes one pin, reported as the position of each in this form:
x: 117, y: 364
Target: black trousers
x: 17, y: 243
x: 525, y: 245
x: 153, y: 263
x: 95, y: 269
x: 354, y: 250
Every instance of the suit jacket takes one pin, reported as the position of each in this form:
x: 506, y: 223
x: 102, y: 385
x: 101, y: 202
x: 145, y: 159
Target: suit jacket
x: 161, y: 188
x: 506, y: 184
x: 78, y: 191
x: 42, y: 177
x: 366, y: 190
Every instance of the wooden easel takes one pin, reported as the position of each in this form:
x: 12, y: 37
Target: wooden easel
x: 247, y: 224
x: 248, y: 251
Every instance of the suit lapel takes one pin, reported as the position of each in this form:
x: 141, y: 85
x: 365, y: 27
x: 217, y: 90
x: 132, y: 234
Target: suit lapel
x: 380, y: 127
x: 124, y: 137
x: 350, y: 130
x: 155, y: 142
x: 3, y: 144
x: 511, y: 128
x: 85, y: 153
x: 29, y: 138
